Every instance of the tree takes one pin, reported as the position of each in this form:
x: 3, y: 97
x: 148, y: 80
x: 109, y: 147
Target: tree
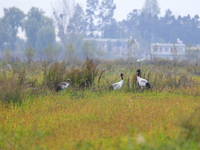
x: 45, y: 36
x: 70, y: 52
x: 13, y: 18
x: 77, y: 22
x: 62, y: 13
x: 112, y: 31
x: 132, y: 47
x: 4, y: 35
x: 174, y: 52
x: 133, y: 19
x: 106, y: 19
x: 30, y: 54
x: 39, y: 29
x: 50, y: 53
x: 32, y: 25
x: 151, y: 8
x: 8, y: 55
x: 91, y: 16
x: 88, y: 49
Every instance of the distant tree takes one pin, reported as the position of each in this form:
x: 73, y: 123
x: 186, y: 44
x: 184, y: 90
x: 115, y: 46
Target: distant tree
x: 70, y: 52
x: 133, y: 19
x: 148, y: 27
x: 39, y: 30
x: 91, y: 16
x: 112, y: 31
x: 13, y: 19
x: 195, y: 31
x: 132, y: 48
x: 151, y: 8
x: 50, y: 53
x: 8, y: 55
x: 45, y: 36
x: 190, y: 30
x: 62, y: 12
x: 107, y: 8
x: 174, y: 52
x: 100, y: 52
x: 88, y: 49
x: 32, y: 25
x: 77, y: 22
x: 30, y: 54
x: 4, y: 35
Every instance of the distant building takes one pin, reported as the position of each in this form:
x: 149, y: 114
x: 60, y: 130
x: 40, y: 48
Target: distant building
x: 168, y: 50
x: 115, y: 48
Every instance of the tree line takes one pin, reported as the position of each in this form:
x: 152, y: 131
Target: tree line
x: 73, y: 23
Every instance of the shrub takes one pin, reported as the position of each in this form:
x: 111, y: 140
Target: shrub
x: 53, y: 75
x: 12, y: 88
x: 84, y: 77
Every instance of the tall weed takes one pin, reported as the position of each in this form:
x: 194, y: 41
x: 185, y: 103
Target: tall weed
x: 13, y: 86
x: 84, y: 77
x: 53, y: 74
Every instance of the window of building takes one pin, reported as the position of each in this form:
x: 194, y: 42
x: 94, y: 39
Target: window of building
x: 166, y: 49
x: 155, y: 49
x: 181, y: 49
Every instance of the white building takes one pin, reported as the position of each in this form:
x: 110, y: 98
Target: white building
x: 168, y: 50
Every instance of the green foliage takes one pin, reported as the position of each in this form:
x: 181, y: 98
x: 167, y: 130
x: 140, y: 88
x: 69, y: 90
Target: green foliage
x: 39, y: 29
x: 31, y: 28
x: 107, y: 8
x: 88, y: 49
x: 77, y: 21
x: 13, y: 19
x: 45, y: 36
x: 91, y: 10
x: 70, y: 52
x: 13, y: 87
x: 50, y: 53
x: 53, y: 75
x: 30, y: 54
x: 8, y: 55
x: 84, y: 77
x: 4, y: 35
x: 132, y: 47
x: 151, y: 8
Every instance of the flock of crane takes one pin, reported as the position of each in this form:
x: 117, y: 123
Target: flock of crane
x: 142, y: 83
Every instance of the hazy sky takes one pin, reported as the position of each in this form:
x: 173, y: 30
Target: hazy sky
x: 182, y: 7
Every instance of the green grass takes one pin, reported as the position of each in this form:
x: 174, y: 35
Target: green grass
x: 88, y: 116
x: 114, y: 120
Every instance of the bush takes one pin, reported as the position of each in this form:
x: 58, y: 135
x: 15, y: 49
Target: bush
x: 53, y: 75
x: 84, y: 77
x: 12, y: 88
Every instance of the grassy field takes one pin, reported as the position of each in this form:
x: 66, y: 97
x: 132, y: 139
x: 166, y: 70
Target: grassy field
x: 165, y: 117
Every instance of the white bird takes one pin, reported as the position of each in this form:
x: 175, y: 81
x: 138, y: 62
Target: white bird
x: 142, y: 82
x: 9, y: 66
x: 63, y: 85
x: 117, y: 85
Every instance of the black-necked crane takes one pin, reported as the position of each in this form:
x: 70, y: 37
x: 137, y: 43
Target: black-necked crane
x: 63, y: 85
x: 117, y: 85
x: 142, y: 82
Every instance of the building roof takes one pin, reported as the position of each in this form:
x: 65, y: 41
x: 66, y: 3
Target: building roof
x: 167, y: 44
x: 105, y: 40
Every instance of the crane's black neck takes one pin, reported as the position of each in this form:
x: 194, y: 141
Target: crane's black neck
x: 138, y: 73
x: 122, y: 76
